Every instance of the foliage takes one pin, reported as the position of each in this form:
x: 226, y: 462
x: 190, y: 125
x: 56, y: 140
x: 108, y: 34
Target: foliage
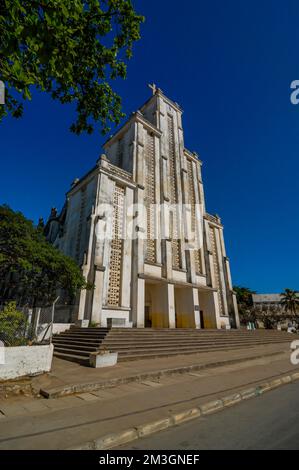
x: 71, y: 49
x: 244, y: 295
x: 290, y: 300
x: 245, y: 304
x: 12, y: 325
x: 32, y: 270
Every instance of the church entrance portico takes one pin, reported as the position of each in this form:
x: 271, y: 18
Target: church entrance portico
x: 168, y: 305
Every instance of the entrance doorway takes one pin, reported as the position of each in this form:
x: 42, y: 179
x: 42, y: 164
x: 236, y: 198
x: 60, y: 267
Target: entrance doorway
x: 202, y: 322
x: 147, y: 316
x: 156, y: 305
x: 207, y: 311
x: 184, y: 307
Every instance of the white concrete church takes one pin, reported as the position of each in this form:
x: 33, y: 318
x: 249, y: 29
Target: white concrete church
x: 136, y: 224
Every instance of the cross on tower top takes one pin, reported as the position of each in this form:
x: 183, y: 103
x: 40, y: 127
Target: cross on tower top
x: 153, y: 87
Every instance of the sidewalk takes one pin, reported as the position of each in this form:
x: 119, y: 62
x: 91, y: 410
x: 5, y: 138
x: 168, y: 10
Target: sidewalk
x: 67, y: 377
x: 71, y: 421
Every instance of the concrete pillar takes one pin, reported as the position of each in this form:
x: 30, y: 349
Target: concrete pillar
x: 221, y: 272
x: 158, y: 201
x: 97, y: 300
x: 215, y: 302
x: 140, y: 155
x: 82, y: 300
x: 236, y: 311
x: 138, y: 299
x: 168, y: 259
x: 196, y: 308
x: 178, y: 167
x: 171, y: 306
x: 199, y: 216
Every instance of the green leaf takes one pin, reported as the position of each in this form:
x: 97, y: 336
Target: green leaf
x: 62, y: 46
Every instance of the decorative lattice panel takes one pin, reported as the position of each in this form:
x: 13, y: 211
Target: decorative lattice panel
x: 114, y: 283
x: 216, y: 268
x: 150, y: 186
x: 80, y: 224
x: 192, y: 201
x: 175, y: 242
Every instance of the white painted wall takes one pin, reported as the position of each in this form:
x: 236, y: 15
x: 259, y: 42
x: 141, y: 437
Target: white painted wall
x: 26, y: 360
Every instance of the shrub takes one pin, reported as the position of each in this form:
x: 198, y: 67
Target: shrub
x: 12, y: 325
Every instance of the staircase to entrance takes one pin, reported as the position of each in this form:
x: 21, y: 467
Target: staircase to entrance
x: 77, y: 344
x: 131, y: 344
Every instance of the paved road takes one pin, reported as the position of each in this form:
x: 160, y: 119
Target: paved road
x: 268, y: 422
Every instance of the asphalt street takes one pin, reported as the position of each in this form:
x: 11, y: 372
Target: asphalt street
x: 270, y: 421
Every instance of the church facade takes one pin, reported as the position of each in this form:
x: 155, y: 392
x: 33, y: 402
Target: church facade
x: 136, y: 223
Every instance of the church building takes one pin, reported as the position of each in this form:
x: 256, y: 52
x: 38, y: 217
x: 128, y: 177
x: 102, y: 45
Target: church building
x: 136, y: 224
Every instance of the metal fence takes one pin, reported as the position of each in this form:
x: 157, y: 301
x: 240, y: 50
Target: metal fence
x: 22, y: 325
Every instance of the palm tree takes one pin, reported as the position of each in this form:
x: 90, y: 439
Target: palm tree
x: 290, y: 300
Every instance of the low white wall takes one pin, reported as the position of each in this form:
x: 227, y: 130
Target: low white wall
x: 123, y: 314
x: 20, y: 361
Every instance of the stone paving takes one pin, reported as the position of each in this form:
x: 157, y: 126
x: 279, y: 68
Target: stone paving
x: 68, y: 377
x: 69, y: 421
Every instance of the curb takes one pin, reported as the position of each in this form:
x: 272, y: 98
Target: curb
x: 62, y: 391
x: 123, y: 437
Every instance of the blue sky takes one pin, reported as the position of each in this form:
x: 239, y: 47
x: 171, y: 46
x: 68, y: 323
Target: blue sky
x: 230, y: 65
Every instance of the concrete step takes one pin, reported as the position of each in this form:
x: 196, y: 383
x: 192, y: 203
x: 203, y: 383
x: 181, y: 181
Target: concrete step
x: 89, y: 328
x: 74, y: 351
x: 78, y: 339
x: 77, y: 347
x: 77, y: 335
x: 92, y: 332
x: 181, y: 349
x: 136, y: 334
x: 73, y: 358
x: 193, y: 330
x: 179, y: 346
x: 131, y: 341
x: 154, y: 355
x: 83, y: 333
x: 142, y: 344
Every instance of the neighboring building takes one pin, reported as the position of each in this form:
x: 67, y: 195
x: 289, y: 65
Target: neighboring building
x: 267, y: 301
x: 270, y: 304
x: 159, y: 274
